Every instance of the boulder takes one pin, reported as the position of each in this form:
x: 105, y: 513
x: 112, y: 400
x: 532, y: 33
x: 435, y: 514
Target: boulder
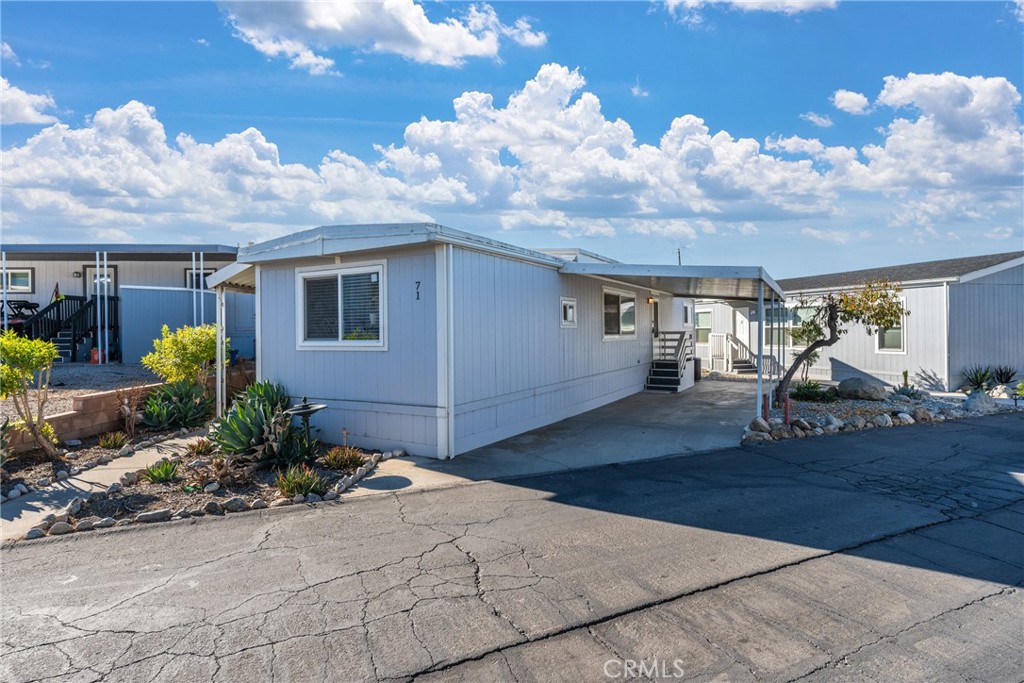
x: 905, y: 418
x: 313, y: 498
x: 298, y: 498
x: 330, y: 495
x: 856, y: 421
x: 999, y: 391
x: 882, y: 420
x: 921, y: 415
x: 900, y: 398
x: 13, y: 493
x: 75, y: 506
x: 980, y: 402
x: 831, y: 419
x: 258, y: 504
x: 105, y: 523
x: 235, y: 504
x: 125, y: 451
x: 758, y: 424
x: 161, y: 515
x: 753, y: 438
x: 830, y: 429
x: 34, y: 533
x: 213, y: 508
x: 780, y: 433
x: 60, y: 528
x: 801, y: 423
x: 798, y: 433
x: 861, y: 390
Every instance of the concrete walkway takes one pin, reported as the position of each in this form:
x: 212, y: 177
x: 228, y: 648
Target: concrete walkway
x: 21, y: 514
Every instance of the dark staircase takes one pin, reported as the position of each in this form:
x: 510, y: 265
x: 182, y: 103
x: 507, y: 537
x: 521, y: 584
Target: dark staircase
x: 664, y: 375
x: 743, y: 367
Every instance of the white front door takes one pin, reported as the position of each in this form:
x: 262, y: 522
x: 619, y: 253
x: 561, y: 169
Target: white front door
x: 741, y: 326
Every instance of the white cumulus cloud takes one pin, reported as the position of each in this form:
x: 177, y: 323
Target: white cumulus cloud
x: 819, y: 120
x: 833, y: 236
x: 690, y: 11
x: 7, y: 54
x: 18, y: 106
x: 849, y: 101
x: 999, y: 233
x: 301, y: 31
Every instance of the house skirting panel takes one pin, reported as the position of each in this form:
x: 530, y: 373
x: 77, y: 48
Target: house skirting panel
x: 384, y: 426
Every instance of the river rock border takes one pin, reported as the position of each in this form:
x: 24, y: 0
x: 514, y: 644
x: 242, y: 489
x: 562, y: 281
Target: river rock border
x: 59, y: 524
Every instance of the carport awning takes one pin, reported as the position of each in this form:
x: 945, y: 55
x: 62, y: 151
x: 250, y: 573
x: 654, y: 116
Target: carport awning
x: 240, y: 277
x: 698, y: 282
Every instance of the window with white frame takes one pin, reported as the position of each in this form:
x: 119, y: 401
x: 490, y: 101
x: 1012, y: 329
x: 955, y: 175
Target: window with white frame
x: 568, y: 312
x: 619, y: 314
x: 703, y: 326
x: 891, y: 339
x: 20, y: 280
x: 342, y: 307
x: 196, y: 279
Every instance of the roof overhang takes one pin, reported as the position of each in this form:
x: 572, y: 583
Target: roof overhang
x: 740, y: 283
x: 239, y: 277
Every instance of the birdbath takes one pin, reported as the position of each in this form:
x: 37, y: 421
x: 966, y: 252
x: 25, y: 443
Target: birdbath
x: 303, y: 411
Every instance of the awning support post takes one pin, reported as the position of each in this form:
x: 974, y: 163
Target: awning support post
x: 220, y: 380
x: 760, y: 345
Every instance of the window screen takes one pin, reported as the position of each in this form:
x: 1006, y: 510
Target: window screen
x: 321, y: 308
x: 361, y: 306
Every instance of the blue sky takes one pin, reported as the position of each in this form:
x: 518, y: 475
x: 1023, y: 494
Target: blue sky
x: 803, y: 136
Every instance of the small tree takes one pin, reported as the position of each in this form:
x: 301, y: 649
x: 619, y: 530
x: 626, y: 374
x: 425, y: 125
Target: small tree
x: 875, y: 305
x: 188, y: 354
x: 25, y: 366
x: 805, y: 335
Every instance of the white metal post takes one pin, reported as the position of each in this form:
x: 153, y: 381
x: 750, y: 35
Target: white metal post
x: 3, y: 280
x: 220, y: 353
x: 105, y: 356
x: 192, y: 286
x: 99, y: 312
x: 760, y: 344
x: 202, y: 291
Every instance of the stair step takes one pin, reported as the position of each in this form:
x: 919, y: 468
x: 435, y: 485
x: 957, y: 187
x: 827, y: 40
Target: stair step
x: 664, y: 381
x: 655, y: 372
x: 665, y: 364
x: 659, y: 387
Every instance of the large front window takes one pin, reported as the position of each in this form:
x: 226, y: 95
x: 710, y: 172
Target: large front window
x: 342, y: 307
x: 619, y: 314
x: 20, y: 280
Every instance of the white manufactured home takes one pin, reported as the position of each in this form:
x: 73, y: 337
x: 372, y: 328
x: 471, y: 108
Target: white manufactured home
x: 441, y: 341
x: 963, y: 312
x: 82, y: 296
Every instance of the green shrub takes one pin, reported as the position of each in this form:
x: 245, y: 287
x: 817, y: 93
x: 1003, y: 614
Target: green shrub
x: 185, y: 355
x: 811, y: 391
x: 25, y: 366
x: 344, y: 458
x: 163, y: 472
x: 5, y: 443
x: 257, y: 426
x: 978, y: 377
x: 907, y: 389
x: 1019, y: 393
x: 300, y: 479
x: 113, y: 440
x: 1004, y: 374
x: 176, y: 405
x: 201, y: 446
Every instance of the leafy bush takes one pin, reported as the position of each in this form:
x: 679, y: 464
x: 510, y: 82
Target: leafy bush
x: 300, y: 479
x: 257, y: 426
x: 1004, y: 374
x: 977, y: 377
x: 163, y: 472
x: 25, y: 366
x: 344, y: 458
x: 811, y: 391
x: 1019, y: 393
x: 177, y: 405
x: 201, y: 446
x: 5, y: 444
x: 186, y: 355
x: 113, y: 440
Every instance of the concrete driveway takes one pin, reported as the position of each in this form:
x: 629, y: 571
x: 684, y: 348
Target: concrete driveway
x: 882, y: 555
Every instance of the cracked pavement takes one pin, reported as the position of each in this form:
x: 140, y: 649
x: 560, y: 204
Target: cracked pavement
x: 870, y: 556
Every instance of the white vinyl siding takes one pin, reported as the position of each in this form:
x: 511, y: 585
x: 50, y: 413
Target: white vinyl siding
x: 341, y: 308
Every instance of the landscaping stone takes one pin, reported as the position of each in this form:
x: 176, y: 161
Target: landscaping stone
x: 211, y: 487
x: 197, y: 512
x: 60, y: 528
x: 258, y: 504
x: 801, y: 423
x: 75, y: 506
x: 130, y: 478
x: 830, y: 429
x: 114, y: 488
x: 34, y: 533
x: 313, y: 498
x: 798, y: 433
x: 922, y: 415
x: 45, y: 481
x: 87, y: 524
x: 817, y: 431
x: 61, y: 475
x: 280, y: 502
x: 386, y: 455
x: 298, y: 498
x: 103, y: 459
x: 182, y: 513
x: 861, y: 389
x: 21, y: 487
x: 980, y: 402
x: 60, y: 517
x: 400, y: 453
x: 47, y: 521
x: 73, y: 443
x: 900, y: 398
x: 780, y: 433
x: 759, y: 424
x: 105, y: 523
x: 125, y: 451
x: 144, y: 444
x: 856, y: 421
x: 882, y: 420
x: 235, y: 504
x: 359, y: 474
x: 75, y: 470
x: 12, y: 494
x: 375, y: 458
x: 755, y: 438
x: 213, y: 508
x: 161, y: 515
x: 905, y: 418
x: 330, y: 495
x: 123, y: 522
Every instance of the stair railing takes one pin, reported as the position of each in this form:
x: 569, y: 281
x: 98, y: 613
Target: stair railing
x: 50, y: 320
x: 80, y: 323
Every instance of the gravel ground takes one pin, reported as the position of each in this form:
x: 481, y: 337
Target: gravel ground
x: 68, y: 381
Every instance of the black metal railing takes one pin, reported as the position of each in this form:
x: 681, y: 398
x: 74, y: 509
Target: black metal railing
x: 77, y: 315
x: 50, y: 320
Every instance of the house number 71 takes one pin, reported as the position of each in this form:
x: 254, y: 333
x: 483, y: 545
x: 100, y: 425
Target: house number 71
x: 417, y: 290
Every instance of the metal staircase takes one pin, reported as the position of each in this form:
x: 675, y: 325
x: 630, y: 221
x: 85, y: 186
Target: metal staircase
x: 68, y: 321
x: 673, y: 352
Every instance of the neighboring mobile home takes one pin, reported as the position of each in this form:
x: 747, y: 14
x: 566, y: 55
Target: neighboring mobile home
x: 140, y: 287
x: 441, y: 341
x: 963, y: 312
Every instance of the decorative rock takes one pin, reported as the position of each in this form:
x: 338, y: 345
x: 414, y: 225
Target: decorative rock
x: 144, y: 444
x: 752, y: 438
x: 281, y: 502
x: 999, y: 391
x: 60, y: 528
x: 798, y: 433
x: 386, y: 455
x: 801, y: 423
x: 65, y: 452
x: 87, y: 524
x: 780, y: 433
x: 313, y: 498
x: 32, y: 534
x: 21, y: 487
x: 105, y: 523
x: 758, y: 424
x: 370, y: 466
x: 817, y: 431
x: 197, y: 512
x: 75, y: 506
x: 359, y: 474
x: 258, y: 504
x: 75, y: 470
x: 130, y: 478
x: 330, y: 495
x: 922, y: 415
x: 830, y: 429
x: 980, y: 402
x: 47, y: 521
x: 813, y: 424
x: 45, y: 481
x: 125, y: 451
x: 73, y: 443
x: 905, y: 419
x: 60, y: 517
x: 213, y: 508
x: 183, y: 431
x: 114, y: 488
x: 211, y: 487
x: 235, y: 504
x: 161, y: 515
x: 375, y: 458
x: 103, y: 460
x: 400, y: 453
x: 182, y: 513
x: 197, y: 463
x: 900, y: 398
x: 13, y: 493
x: 882, y: 420
x: 123, y: 522
x: 861, y: 389
x: 298, y: 498
x: 61, y: 475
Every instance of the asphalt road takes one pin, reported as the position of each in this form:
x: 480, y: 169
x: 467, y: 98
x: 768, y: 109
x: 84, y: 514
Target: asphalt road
x: 892, y: 555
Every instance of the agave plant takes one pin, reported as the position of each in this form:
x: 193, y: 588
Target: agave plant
x: 1004, y: 374
x: 978, y: 377
x: 241, y: 429
x: 267, y: 392
x: 181, y: 404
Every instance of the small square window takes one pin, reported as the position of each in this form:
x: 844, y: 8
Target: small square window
x: 568, y: 312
